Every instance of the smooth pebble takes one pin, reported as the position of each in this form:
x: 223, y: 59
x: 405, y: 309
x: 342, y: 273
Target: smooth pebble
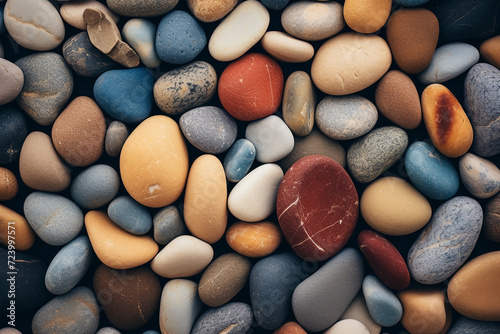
x: 12, y: 81
x: 480, y: 176
x: 116, y: 135
x: 491, y: 223
x: 351, y: 326
x: 382, y: 303
x: 239, y: 159
x: 466, y: 325
x: 232, y: 318
x: 141, y: 8
x: 168, y: 224
x: 140, y: 35
x: 299, y: 103
x: 211, y: 11
x: 286, y: 48
x: 366, y: 16
x: 358, y: 310
x: 25, y: 237
x: 8, y: 184
x: 130, y: 215
x: 95, y: 186
x: 254, y: 239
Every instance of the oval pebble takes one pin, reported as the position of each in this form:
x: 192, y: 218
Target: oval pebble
x: 465, y: 325
x: 140, y: 35
x: 116, y: 135
x: 299, y: 103
x: 232, y: 318
x: 424, y: 310
x: 366, y: 16
x: 141, y: 8
x: 25, y: 237
x: 13, y: 132
x: 8, y: 184
x: 72, y: 12
x: 239, y: 159
x: 168, y: 225
x: 351, y: 326
x: 345, y: 117
x: 12, y: 81
x: 286, y: 48
x: 211, y: 11
x: 130, y: 215
x: 491, y: 223
x: 488, y: 48
x: 382, y: 303
x: 480, y: 176
x: 254, y: 239
x: 95, y: 186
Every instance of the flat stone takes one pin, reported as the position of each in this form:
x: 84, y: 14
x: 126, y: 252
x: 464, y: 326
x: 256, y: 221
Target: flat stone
x: 130, y: 215
x: 8, y: 184
x: 95, y: 186
x: 299, y: 103
x: 480, y: 176
x: 465, y: 325
x: 365, y: 16
x: 358, y: 310
x: 232, y: 318
x: 382, y: 303
x: 491, y: 223
x: 239, y: 159
x: 116, y: 135
x: 25, y: 237
x: 13, y: 132
x: 286, y: 48
x: 211, y: 11
x: 348, y: 326
x: 254, y: 239
x: 488, y: 49
x: 140, y: 35
x: 424, y: 307
x: 72, y: 12
x: 168, y: 224
x: 12, y: 81
x: 141, y: 8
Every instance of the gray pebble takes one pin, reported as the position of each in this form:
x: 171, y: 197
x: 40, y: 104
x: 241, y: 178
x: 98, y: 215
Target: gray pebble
x: 168, y: 224
x: 232, y: 318
x: 11, y: 81
x: 465, y: 325
x: 141, y: 8
x: 95, y: 186
x: 481, y: 177
x: 116, y: 135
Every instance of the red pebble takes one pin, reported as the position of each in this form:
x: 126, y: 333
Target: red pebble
x: 384, y: 259
x: 251, y: 87
x: 317, y: 207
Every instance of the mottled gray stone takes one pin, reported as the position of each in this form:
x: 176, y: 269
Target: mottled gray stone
x: 480, y: 176
x: 141, y: 8
x: 447, y: 240
x: 116, y: 135
x: 465, y: 325
x: 232, y: 318
x: 168, y: 224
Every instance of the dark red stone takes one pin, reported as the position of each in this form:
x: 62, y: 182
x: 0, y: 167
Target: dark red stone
x: 384, y: 259
x: 317, y: 207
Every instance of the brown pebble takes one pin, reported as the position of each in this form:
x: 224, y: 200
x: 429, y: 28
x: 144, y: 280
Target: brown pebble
x: 412, y: 35
x: 25, y: 237
x: 290, y: 327
x: 8, y: 184
x: 299, y: 103
x: 490, y: 51
x: 491, y: 224
x: 211, y: 10
x: 424, y: 310
x: 366, y: 16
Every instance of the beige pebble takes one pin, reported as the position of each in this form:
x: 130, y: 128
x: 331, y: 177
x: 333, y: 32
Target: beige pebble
x: 358, y: 310
x: 424, y: 310
x: 299, y: 103
x: 72, y: 12
x: 24, y: 235
x: 366, y: 16
x: 254, y: 239
x: 211, y: 10
x: 350, y: 326
x: 286, y: 48
x: 8, y: 184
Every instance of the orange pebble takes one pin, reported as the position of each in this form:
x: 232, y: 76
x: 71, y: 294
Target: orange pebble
x: 8, y: 184
x: 15, y: 230
x: 490, y: 51
x: 254, y: 239
x: 290, y: 327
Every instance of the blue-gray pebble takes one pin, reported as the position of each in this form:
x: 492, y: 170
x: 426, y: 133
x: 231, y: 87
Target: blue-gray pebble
x: 239, y: 159
x: 130, y: 215
x: 232, y: 318
x: 69, y: 266
x: 275, y: 4
x: 209, y: 129
x: 272, y: 282
x: 140, y: 35
x: 179, y: 38
x: 431, y: 173
x: 168, y: 225
x: 95, y: 186
x: 480, y: 176
x: 13, y: 131
x: 383, y: 305
x: 466, y: 325
x: 447, y: 240
x: 54, y: 218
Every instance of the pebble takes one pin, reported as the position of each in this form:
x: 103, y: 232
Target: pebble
x: 72, y: 12
x: 34, y: 24
x: 25, y: 237
x: 130, y: 215
x: 84, y: 58
x: 179, y: 38
x: 78, y: 132
x: 196, y: 255
x: 358, y: 310
x: 384, y: 259
x: 126, y: 95
x: 185, y: 88
x: 251, y: 87
x: 286, y: 48
x: 232, y: 318
x: 253, y: 198
x: 95, y: 186
x: 346, y: 117
x: 168, y: 224
x: 449, y: 61
x: 12, y: 81
x: 424, y: 310
x: 45, y: 74
x: 130, y: 298
x: 382, y: 303
x: 8, y: 184
x: 205, y: 200
x: 339, y: 279
x: 140, y: 35
x: 209, y: 129
x: 299, y: 103
x: 465, y: 325
x: 115, y: 247
x: 366, y: 16
x: 54, y: 218
x: 9, y: 330
x: 398, y: 100
x: 472, y: 291
x: 446, y: 122
x: 154, y: 162
x: 179, y: 306
x: 254, y: 239
x: 272, y: 138
x: 239, y: 159
x: 211, y: 11
x: 371, y: 155
x: 69, y: 266
x: 480, y: 176
x: 116, y: 135
x: 141, y: 8
x: 239, y: 31
x: 491, y: 222
x: 313, y: 21
x: 433, y: 174
x: 348, y: 326
x: 13, y: 132
x: 272, y: 282
x: 481, y: 98
x: 317, y: 207
x: 488, y: 50
x: 80, y: 305
x: 223, y: 279
x: 412, y: 34
x: 290, y: 327
x: 350, y: 62
x: 108, y: 330
x: 411, y: 3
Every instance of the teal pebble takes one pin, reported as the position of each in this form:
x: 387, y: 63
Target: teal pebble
x: 168, y: 225
x: 383, y: 305
x: 95, y: 186
x: 134, y: 218
x: 239, y: 159
x: 140, y: 35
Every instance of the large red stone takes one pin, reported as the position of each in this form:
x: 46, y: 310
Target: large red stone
x: 251, y: 87
x: 384, y: 259
x: 317, y: 207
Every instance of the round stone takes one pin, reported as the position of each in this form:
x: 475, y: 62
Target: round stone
x: 95, y: 186
x: 423, y: 306
x: 299, y: 103
x: 366, y: 16
x: 348, y: 326
x: 130, y: 215
x: 488, y: 51
x: 491, y: 223
x: 254, y: 239
x: 11, y: 81
x: 290, y: 327
x: 211, y: 11
x: 465, y: 325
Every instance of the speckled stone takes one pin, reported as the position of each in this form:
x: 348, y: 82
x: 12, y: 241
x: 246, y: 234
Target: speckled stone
x: 141, y: 8
x: 491, y: 223
x: 371, y: 155
x: 442, y: 247
x: 299, y: 102
x: 140, y: 35
x: 211, y: 11
x: 12, y: 80
x: 54, y: 218
x: 130, y: 215
x: 466, y: 325
x: 480, y: 176
x: 48, y: 84
x: 239, y: 159
x: 13, y: 131
x: 232, y: 318
x: 116, y: 135
x: 168, y: 224
x: 8, y: 184
x: 382, y: 303
x: 209, y: 129
x: 95, y: 186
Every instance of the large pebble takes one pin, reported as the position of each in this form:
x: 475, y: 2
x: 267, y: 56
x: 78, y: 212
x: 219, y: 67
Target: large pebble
x: 211, y: 11
x: 286, y: 48
x: 141, y: 8
x: 168, y: 224
x: 239, y: 31
x: 205, y: 199
x: 480, y: 176
x: 350, y: 62
x: 366, y: 16
x: 253, y: 198
x: 13, y: 132
x: 466, y: 325
x: 424, y: 310
x: 154, y: 162
x: 140, y: 35
x: 299, y: 103
x: 317, y: 207
x: 371, y: 155
x: 382, y: 303
x: 339, y: 279
x: 232, y: 318
x: 72, y: 12
x: 209, y: 129
x: 25, y: 237
x: 239, y: 159
x: 12, y: 81
x: 358, y: 310
x: 488, y: 50
x: 116, y: 135
x: 115, y: 247
x: 254, y: 239
x: 95, y: 186
x: 185, y: 88
x: 431, y: 172
x: 491, y: 223
x: 48, y: 84
x: 34, y: 24
x: 130, y: 215
x: 8, y: 184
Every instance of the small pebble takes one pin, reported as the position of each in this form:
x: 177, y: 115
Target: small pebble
x: 13, y: 132
x: 211, y: 11
x: 232, y: 318
x: 140, y: 35
x: 239, y: 159
x: 8, y: 184
x: 254, y: 239
x: 299, y: 103
x: 116, y: 135
x: 348, y: 326
x: 424, y: 310
x: 141, y: 8
x: 488, y: 50
x: 130, y: 215
x: 382, y: 303
x: 72, y: 12
x: 491, y: 223
x: 25, y: 237
x: 95, y: 186
x: 168, y: 224
x: 12, y: 81
x: 286, y: 48
x: 366, y: 16
x: 480, y: 176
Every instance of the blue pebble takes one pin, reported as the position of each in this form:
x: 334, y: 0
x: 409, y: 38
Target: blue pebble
x: 69, y: 266
x: 383, y: 305
x: 431, y: 172
x: 239, y: 159
x: 179, y: 38
x: 126, y: 95
x: 465, y: 325
x: 411, y: 3
x: 140, y: 35
x: 95, y: 186
x: 134, y: 218
x: 275, y: 4
x: 168, y: 225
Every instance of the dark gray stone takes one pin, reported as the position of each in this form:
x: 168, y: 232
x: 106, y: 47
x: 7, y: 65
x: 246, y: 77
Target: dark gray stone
x: 232, y: 318
x: 492, y: 219
x: 465, y: 325
x: 13, y: 131
x: 141, y: 8
x: 168, y: 224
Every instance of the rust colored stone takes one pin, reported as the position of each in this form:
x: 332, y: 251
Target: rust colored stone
x: 8, y: 184
x: 290, y: 327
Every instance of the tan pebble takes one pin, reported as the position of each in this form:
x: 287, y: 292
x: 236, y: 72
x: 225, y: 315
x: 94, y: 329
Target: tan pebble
x: 72, y: 12
x: 254, y: 239
x: 299, y: 103
x: 40, y: 166
x: 350, y: 326
x: 290, y: 327
x: 24, y: 235
x: 474, y: 290
x: 115, y: 247
x: 8, y: 184
x: 366, y: 16
x: 205, y: 200
x: 211, y: 10
x: 424, y: 310
x: 286, y: 48
x: 358, y: 310
x: 490, y: 51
